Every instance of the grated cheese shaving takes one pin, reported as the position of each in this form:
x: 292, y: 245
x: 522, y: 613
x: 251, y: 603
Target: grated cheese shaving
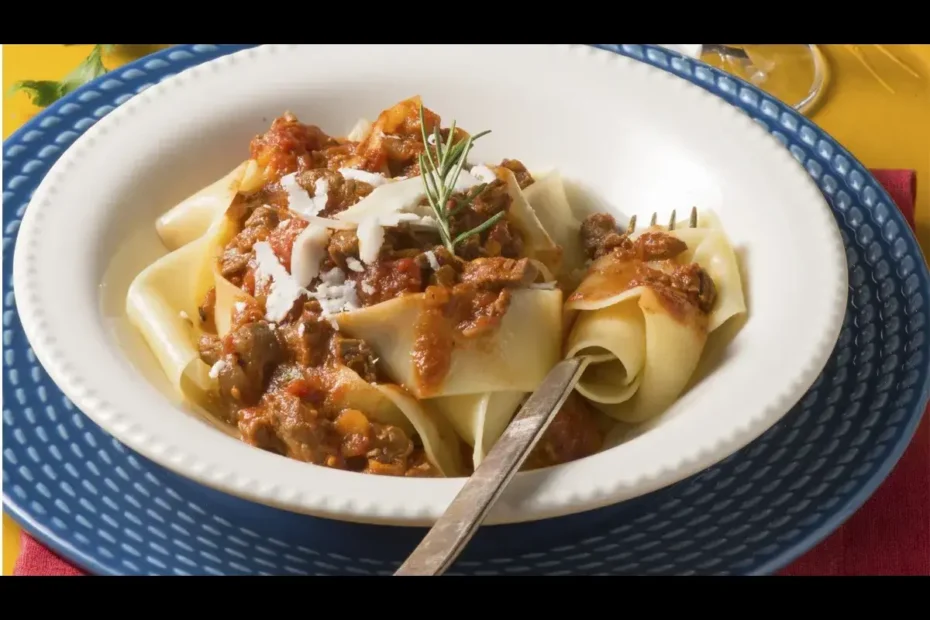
x: 308, y: 250
x: 299, y: 201
x: 483, y: 173
x: 433, y: 262
x: 335, y: 293
x: 370, y: 238
x: 372, y: 178
x: 216, y: 368
x: 284, y: 289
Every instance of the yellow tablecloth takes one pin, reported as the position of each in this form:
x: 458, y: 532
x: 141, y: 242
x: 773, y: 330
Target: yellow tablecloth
x: 883, y: 129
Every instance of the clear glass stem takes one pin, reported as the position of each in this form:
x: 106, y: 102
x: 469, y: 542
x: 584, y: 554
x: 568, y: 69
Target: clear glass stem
x: 797, y: 74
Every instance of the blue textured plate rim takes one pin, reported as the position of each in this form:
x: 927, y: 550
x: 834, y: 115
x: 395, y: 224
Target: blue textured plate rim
x: 649, y: 54
x: 855, y: 502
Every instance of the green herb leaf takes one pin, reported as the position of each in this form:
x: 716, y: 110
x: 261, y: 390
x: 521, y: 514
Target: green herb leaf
x: 89, y: 69
x: 480, y: 228
x: 44, y: 93
x: 449, y: 158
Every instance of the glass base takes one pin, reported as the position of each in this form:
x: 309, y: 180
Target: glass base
x: 797, y: 74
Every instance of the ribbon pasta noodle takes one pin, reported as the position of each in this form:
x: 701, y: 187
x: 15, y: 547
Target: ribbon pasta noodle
x: 380, y: 304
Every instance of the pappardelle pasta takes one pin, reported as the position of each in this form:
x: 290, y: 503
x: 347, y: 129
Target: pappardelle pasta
x: 380, y: 304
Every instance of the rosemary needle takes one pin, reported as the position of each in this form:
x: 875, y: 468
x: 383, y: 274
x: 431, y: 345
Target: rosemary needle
x: 435, y: 170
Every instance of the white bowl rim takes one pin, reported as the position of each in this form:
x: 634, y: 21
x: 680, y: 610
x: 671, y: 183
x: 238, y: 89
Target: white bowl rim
x: 230, y: 466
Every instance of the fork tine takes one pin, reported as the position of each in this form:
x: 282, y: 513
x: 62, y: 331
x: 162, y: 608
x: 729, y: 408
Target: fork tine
x: 692, y: 220
x: 631, y: 226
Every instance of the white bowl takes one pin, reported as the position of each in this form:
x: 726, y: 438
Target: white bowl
x: 634, y: 137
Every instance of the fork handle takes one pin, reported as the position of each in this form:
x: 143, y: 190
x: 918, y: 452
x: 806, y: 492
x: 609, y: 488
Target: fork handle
x: 452, y: 531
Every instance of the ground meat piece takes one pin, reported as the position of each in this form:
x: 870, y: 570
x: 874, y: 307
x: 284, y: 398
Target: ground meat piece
x: 258, y: 226
x: 523, y: 176
x: 439, y: 266
x: 341, y: 193
x: 476, y: 312
x: 355, y: 430
x: 446, y: 276
x: 282, y: 239
x: 395, y: 139
x: 307, y: 340
x: 258, y: 350
x: 489, y: 202
x: 235, y: 388
x: 574, y: 433
x: 262, y: 217
x: 411, y: 170
x: 599, y: 235
x: 211, y: 349
x: 336, y: 157
x: 343, y: 244
x: 390, y: 448
x: 470, y: 248
x: 356, y: 355
x: 492, y: 200
x: 257, y: 427
x: 658, y: 246
x: 385, y: 280
x: 286, y: 144
x: 233, y: 263
x: 503, y: 240
x: 692, y: 280
x: 498, y: 272
x: 418, y: 466
x: 404, y: 242
x: 206, y: 309
x: 283, y: 422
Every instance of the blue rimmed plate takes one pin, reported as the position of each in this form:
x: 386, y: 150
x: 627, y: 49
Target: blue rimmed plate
x: 116, y: 512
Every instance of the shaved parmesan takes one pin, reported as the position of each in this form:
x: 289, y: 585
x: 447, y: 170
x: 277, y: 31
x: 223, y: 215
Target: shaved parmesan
x: 370, y: 231
x: 299, y: 201
x: 353, y: 264
x: 309, y: 249
x: 217, y: 368
x: 483, y: 173
x: 370, y: 238
x: 372, y: 178
x: 433, y: 263
x: 285, y: 290
x: 335, y: 293
x: 326, y: 222
x: 359, y: 131
x: 399, y: 197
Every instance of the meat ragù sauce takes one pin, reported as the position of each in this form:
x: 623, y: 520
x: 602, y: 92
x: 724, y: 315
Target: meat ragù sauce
x: 282, y: 382
x: 620, y: 263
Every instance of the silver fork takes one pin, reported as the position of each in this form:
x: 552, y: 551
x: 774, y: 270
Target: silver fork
x: 452, y: 531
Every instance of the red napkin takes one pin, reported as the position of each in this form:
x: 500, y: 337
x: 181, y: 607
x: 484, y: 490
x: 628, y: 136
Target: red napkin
x: 889, y: 535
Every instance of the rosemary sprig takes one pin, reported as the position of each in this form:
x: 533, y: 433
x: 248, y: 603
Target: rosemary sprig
x: 435, y: 170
